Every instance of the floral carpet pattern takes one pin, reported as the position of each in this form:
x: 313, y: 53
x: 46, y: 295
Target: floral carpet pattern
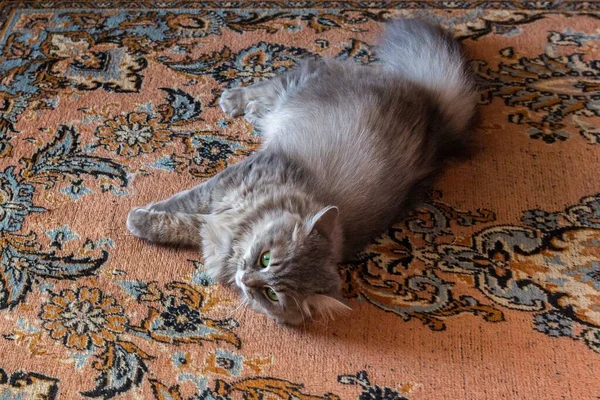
x: 489, y: 290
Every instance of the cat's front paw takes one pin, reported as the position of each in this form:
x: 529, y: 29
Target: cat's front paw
x: 137, y: 220
x: 254, y: 111
x: 233, y: 102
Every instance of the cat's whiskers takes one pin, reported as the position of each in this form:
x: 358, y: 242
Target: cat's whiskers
x: 235, y: 310
x: 245, y: 308
x: 243, y: 304
x: 325, y: 312
x: 301, y: 311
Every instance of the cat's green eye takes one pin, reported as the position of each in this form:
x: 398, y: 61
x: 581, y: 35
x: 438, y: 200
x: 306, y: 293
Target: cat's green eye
x: 265, y: 259
x: 271, y: 295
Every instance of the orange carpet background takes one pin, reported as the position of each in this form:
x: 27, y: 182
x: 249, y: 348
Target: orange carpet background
x: 490, y: 290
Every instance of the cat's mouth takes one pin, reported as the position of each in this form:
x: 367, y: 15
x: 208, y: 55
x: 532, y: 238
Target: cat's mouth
x: 238, y: 279
x: 239, y: 283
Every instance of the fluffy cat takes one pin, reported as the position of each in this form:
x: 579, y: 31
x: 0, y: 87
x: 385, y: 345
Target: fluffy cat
x: 345, y: 147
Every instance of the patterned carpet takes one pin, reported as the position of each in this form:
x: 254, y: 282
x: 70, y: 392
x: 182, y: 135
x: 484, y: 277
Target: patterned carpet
x: 491, y: 290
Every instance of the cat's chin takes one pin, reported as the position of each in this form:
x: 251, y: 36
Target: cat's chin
x: 286, y: 321
x: 238, y: 279
x: 291, y: 322
x: 283, y: 321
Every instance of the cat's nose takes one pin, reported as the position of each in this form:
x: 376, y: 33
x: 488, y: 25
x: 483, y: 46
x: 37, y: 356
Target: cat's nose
x: 248, y: 281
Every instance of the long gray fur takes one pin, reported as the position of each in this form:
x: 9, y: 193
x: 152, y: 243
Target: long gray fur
x: 345, y: 149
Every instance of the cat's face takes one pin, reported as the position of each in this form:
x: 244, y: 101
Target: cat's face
x: 287, y: 267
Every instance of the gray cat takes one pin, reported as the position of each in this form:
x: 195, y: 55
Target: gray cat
x: 345, y: 147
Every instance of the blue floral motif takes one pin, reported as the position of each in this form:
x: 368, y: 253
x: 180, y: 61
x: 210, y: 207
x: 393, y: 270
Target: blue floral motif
x: 198, y: 24
x: 23, y: 266
x: 81, y: 358
x: 180, y: 106
x: 127, y: 368
x: 261, y: 61
x: 212, y: 151
x: 531, y: 268
x: 591, y: 337
x: 229, y: 361
x: 553, y: 323
x: 589, y: 273
x: 164, y: 163
x: 15, y: 201
x: 181, y: 318
x: 62, y: 157
x: 200, y: 276
x: 222, y: 123
x: 370, y: 391
x: 537, y: 93
x: 200, y: 381
x: 26, y: 326
x: 12, y: 105
x: 90, y: 68
x: 179, y: 359
x: 76, y: 189
x: 587, y: 213
x: 61, y: 235
x: 135, y: 289
x: 43, y: 58
x: 541, y: 220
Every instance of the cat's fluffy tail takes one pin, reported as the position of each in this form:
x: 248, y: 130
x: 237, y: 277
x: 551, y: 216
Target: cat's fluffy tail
x: 425, y: 54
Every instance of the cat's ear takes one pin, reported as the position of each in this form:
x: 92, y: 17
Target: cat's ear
x: 324, y: 221
x: 325, y: 305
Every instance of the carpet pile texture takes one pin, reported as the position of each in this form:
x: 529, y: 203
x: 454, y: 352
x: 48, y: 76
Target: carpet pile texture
x: 489, y: 290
